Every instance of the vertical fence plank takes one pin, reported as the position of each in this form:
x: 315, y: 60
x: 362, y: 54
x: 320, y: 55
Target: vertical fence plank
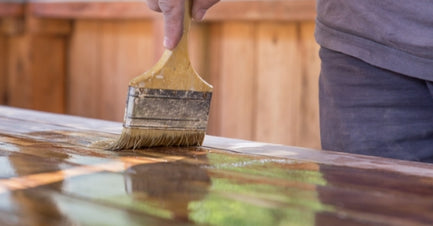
x: 3, y: 69
x: 19, y: 80
x: 213, y: 70
x: 198, y: 48
x: 37, y: 65
x: 84, y: 60
x: 236, y: 80
x: 48, y: 69
x: 127, y: 51
x: 110, y: 95
x: 309, y: 133
x: 278, y: 83
x: 105, y: 55
x: 36, y: 74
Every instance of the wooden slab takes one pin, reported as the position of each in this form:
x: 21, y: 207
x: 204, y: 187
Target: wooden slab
x: 53, y: 173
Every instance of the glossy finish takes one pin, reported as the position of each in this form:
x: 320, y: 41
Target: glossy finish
x: 54, y: 172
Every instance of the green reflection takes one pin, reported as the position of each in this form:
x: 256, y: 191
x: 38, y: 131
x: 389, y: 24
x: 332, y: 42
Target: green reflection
x: 217, y: 211
x: 266, y: 167
x: 219, y: 189
x: 251, y: 190
x: 94, y: 214
x: 145, y: 207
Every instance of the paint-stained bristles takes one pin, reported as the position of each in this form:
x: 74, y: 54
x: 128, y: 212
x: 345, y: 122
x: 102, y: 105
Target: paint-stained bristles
x: 134, y: 138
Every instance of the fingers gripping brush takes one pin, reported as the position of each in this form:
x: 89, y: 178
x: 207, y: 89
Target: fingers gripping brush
x: 169, y: 104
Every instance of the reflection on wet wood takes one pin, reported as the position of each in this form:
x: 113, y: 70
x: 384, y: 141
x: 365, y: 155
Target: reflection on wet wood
x: 53, y: 173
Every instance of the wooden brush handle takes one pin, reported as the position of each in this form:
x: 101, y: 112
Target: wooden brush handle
x: 182, y: 47
x: 174, y: 70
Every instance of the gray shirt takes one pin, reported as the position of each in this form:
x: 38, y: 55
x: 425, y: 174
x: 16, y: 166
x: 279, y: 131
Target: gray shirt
x: 393, y: 34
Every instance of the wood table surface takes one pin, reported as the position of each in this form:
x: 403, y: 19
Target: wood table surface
x: 53, y: 171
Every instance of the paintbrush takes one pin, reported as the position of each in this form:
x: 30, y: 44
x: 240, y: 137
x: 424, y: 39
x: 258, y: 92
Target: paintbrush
x: 169, y: 104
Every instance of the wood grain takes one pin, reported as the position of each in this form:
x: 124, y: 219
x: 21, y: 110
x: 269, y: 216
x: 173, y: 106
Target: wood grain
x: 48, y: 81
x: 131, y: 45
x: 48, y: 26
x: 11, y: 9
x: 213, y: 54
x: 84, y: 59
x: 258, y: 10
x: 20, y: 79
x: 278, y: 83
x: 236, y: 70
x: 198, y: 44
x: 92, y: 10
x: 52, y: 174
x: 283, y: 10
x: 12, y: 25
x: 309, y: 133
x: 105, y: 56
x: 37, y: 72
x: 3, y: 69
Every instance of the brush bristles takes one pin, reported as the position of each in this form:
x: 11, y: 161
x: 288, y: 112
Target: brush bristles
x: 132, y: 138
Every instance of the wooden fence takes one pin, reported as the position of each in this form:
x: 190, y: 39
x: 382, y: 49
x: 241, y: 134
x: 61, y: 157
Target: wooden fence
x: 77, y: 58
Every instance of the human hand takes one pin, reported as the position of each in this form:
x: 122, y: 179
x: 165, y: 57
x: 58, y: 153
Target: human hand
x: 173, y: 11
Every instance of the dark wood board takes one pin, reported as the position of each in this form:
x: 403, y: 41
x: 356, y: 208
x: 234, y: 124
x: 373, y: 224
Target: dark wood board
x: 53, y: 172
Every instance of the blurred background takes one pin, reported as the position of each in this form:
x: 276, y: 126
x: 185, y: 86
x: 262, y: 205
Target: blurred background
x: 76, y: 57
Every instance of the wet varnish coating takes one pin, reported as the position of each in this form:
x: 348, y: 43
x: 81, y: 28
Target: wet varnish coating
x: 52, y: 173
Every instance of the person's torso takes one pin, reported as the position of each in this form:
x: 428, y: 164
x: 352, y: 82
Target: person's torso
x: 393, y: 34
x: 402, y: 24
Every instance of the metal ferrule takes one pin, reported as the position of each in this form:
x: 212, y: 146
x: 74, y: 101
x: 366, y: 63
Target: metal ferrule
x: 167, y: 109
